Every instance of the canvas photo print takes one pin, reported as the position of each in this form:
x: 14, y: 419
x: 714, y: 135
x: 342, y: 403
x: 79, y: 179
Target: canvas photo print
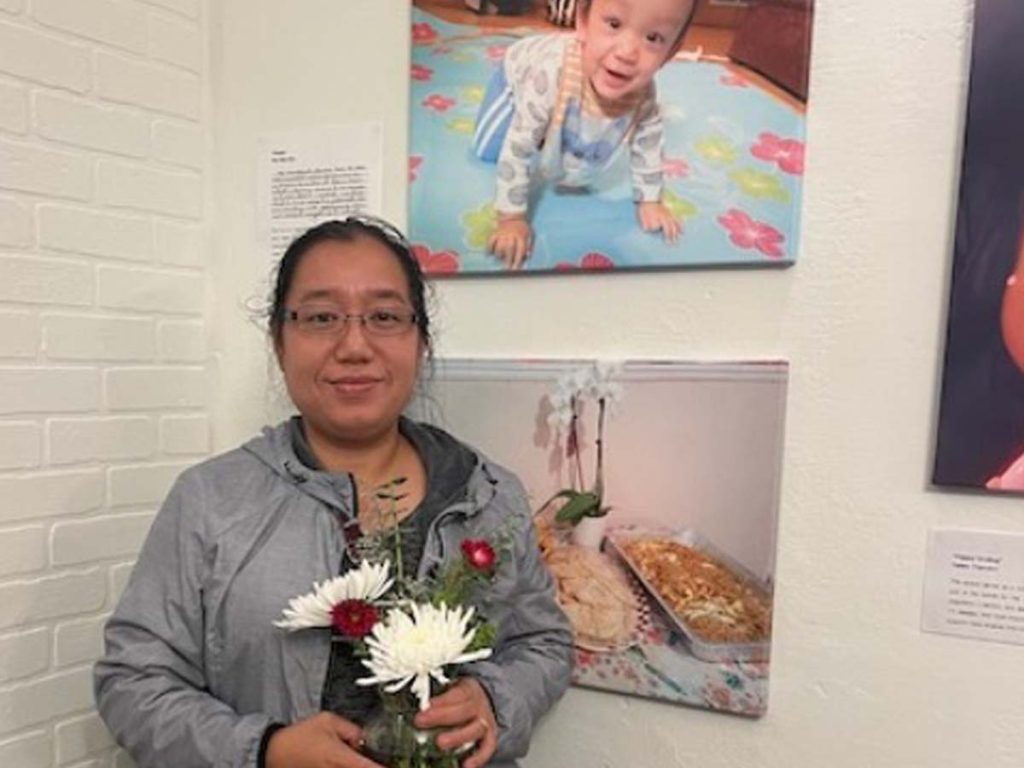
x: 606, y: 134
x: 980, y: 439
x: 654, y: 494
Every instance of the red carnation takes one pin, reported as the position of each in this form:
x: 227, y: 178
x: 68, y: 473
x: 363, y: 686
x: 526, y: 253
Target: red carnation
x: 353, y: 618
x: 479, y: 554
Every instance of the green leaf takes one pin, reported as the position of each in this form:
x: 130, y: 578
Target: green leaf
x: 580, y: 505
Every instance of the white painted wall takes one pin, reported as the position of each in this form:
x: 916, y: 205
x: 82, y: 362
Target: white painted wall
x: 104, y: 135
x: 860, y: 317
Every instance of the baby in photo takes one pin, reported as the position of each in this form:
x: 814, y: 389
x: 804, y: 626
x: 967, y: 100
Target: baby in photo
x: 566, y: 107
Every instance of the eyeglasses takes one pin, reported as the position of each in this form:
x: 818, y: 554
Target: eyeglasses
x: 330, y: 320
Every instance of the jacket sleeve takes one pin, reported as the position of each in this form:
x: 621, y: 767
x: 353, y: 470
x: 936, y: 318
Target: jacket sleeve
x: 530, y: 669
x: 150, y: 683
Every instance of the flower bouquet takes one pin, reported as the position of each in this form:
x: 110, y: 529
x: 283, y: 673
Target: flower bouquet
x: 411, y: 636
x: 593, y: 383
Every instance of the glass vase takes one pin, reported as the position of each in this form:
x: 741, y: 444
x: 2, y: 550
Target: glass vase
x: 391, y: 739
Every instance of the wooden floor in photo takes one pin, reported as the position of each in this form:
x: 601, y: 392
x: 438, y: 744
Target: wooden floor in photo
x: 714, y: 41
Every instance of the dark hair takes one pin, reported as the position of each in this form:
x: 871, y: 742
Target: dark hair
x: 584, y: 7
x: 346, y: 231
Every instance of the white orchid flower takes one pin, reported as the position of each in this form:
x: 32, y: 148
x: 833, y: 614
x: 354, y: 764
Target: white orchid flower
x: 414, y: 646
x: 603, y: 384
x: 581, y: 379
x: 562, y: 405
x: 368, y: 582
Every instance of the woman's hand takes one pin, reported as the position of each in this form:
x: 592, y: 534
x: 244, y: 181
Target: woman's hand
x: 657, y: 216
x: 464, y: 710
x: 324, y: 740
x: 511, y: 241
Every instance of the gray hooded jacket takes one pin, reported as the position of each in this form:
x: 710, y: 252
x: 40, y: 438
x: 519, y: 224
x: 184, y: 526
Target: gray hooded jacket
x: 194, y: 670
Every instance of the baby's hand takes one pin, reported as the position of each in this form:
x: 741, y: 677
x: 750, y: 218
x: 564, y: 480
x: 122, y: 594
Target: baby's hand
x: 655, y: 216
x: 511, y: 241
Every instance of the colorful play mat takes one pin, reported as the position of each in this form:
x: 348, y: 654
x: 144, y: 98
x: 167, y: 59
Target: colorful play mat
x: 733, y: 170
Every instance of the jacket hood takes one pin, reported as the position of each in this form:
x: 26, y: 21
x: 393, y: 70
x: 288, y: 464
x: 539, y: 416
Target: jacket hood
x: 450, y: 464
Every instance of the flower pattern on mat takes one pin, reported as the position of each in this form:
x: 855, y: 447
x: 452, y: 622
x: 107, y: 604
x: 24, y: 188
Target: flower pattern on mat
x: 462, y: 125
x: 592, y: 260
x: 423, y: 33
x: 415, y: 161
x: 788, y: 154
x: 436, y: 262
x: 717, y: 149
x: 438, y: 103
x: 765, y: 186
x: 478, y: 225
x: 676, y: 167
x: 472, y: 94
x: 421, y: 73
x: 677, y: 206
x: 748, y: 234
x: 495, y: 53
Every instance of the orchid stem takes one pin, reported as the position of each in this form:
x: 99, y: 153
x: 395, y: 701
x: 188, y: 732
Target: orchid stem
x: 574, y: 428
x: 599, y: 470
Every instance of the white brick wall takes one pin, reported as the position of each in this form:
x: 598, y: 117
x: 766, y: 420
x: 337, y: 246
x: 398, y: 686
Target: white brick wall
x: 104, y: 374
x: 32, y: 750
x: 75, y: 441
x: 81, y: 738
x: 19, y: 445
x: 44, y: 58
x: 107, y: 21
x: 15, y: 217
x: 45, y: 281
x: 14, y: 6
x: 180, y: 244
x: 96, y: 233
x: 90, y: 337
x: 30, y: 168
x: 13, y: 108
x: 80, y: 641
x: 154, y: 86
x: 185, y: 434
x: 23, y: 655
x: 81, y: 122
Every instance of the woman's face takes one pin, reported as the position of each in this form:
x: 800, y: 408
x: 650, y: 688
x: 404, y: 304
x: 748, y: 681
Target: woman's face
x: 350, y: 385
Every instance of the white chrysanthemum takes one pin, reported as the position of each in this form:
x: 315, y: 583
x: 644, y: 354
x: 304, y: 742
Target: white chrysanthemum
x: 417, y: 645
x: 367, y: 582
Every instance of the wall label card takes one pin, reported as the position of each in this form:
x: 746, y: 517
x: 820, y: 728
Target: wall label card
x: 308, y: 176
x: 974, y: 585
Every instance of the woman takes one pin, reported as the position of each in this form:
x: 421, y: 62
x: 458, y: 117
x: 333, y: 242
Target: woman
x: 195, y: 673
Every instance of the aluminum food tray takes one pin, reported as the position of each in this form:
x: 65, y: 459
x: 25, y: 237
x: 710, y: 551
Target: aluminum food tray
x: 702, y: 649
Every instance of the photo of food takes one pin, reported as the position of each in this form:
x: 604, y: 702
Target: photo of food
x: 654, y: 495
x: 575, y: 136
x: 721, y: 611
